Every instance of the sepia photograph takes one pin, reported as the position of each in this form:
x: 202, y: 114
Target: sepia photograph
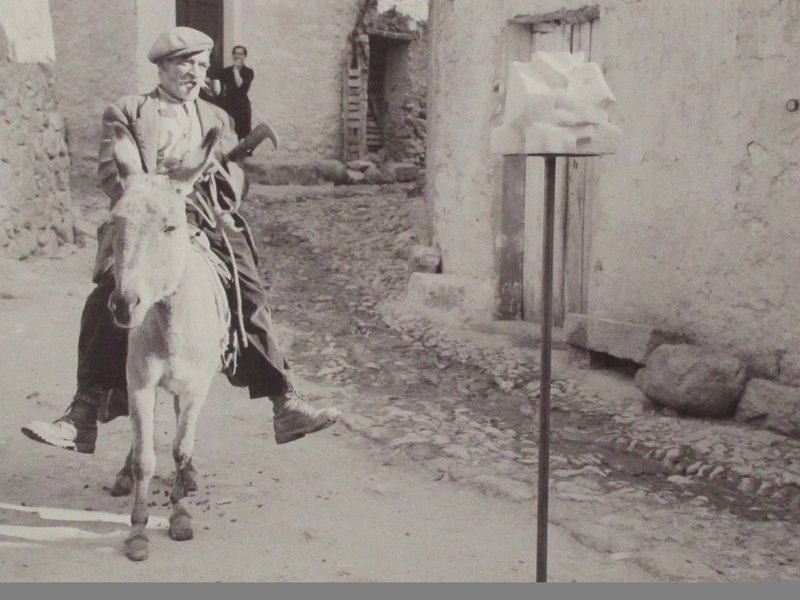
x: 475, y: 291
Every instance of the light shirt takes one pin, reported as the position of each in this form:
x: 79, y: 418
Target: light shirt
x: 179, y: 128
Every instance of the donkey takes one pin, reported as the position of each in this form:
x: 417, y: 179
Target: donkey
x: 171, y: 299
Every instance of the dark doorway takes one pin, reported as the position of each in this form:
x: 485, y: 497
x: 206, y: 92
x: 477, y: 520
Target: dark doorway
x: 205, y: 16
x: 387, y: 91
x: 376, y: 108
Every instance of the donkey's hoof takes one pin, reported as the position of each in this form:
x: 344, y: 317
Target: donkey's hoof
x: 123, y: 486
x: 136, y: 547
x: 180, y: 527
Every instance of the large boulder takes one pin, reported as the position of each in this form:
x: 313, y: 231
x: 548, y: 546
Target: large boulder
x: 693, y: 381
x: 771, y: 406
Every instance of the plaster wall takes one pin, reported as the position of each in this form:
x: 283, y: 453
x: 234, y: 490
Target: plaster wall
x: 296, y: 50
x: 101, y: 52
x: 152, y: 17
x: 697, y: 224
x: 416, y: 9
x: 28, y: 31
x: 696, y: 221
x: 467, y: 61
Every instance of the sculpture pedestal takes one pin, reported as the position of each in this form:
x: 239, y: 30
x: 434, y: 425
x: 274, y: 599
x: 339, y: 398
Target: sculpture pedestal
x: 543, y: 476
x: 556, y: 105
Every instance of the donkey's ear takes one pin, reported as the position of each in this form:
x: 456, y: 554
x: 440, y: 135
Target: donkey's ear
x: 196, y: 163
x: 126, y: 153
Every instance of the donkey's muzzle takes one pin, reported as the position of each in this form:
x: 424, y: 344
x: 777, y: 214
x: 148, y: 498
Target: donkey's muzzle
x: 121, y: 306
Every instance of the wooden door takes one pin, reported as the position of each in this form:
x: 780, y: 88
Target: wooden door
x: 572, y: 229
x: 205, y: 16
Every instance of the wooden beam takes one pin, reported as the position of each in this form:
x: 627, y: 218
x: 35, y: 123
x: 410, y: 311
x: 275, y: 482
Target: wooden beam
x: 395, y: 35
x: 511, y: 250
x: 580, y: 15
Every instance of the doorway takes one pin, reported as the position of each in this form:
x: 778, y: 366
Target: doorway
x: 205, y: 16
x: 386, y: 96
x: 574, y: 187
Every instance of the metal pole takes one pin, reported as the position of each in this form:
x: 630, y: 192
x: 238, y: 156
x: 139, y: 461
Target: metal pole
x: 544, y: 383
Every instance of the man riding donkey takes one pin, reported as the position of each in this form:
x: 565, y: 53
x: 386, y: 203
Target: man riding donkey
x: 167, y: 125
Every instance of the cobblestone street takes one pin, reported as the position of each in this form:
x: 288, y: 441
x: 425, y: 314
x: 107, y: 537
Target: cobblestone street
x: 684, y: 498
x: 638, y: 493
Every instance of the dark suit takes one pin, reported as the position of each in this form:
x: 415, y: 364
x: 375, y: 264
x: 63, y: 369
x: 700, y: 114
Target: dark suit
x: 235, y: 100
x: 102, y: 345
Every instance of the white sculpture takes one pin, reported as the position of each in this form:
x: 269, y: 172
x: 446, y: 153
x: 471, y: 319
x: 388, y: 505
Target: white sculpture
x: 556, y: 104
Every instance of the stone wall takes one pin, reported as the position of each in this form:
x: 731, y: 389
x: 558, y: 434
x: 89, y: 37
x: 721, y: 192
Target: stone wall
x: 416, y: 103
x: 35, y: 205
x: 694, y: 220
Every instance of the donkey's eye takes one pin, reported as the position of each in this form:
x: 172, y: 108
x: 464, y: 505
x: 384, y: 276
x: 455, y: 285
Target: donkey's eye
x: 169, y: 228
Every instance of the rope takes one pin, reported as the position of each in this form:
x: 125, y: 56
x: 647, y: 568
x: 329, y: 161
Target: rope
x: 210, y: 209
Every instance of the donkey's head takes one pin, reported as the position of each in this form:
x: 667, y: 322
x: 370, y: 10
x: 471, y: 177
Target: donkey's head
x: 151, y: 238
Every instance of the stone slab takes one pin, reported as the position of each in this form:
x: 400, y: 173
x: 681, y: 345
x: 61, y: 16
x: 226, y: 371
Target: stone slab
x: 621, y: 339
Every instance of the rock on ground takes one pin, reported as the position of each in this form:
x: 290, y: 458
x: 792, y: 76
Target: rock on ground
x: 693, y: 380
x: 776, y: 405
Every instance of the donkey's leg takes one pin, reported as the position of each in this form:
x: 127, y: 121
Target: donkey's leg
x: 143, y: 463
x: 188, y: 471
x: 123, y: 485
x: 189, y: 404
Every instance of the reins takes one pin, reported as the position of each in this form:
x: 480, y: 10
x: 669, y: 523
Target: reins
x: 211, y: 210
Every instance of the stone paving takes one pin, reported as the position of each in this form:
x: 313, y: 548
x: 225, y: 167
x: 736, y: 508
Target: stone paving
x: 687, y: 499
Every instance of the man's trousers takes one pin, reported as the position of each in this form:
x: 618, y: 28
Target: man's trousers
x: 102, y: 345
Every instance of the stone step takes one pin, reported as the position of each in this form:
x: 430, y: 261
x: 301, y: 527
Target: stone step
x: 620, y: 339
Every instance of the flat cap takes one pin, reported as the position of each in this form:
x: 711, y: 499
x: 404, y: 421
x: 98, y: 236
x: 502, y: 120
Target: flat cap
x: 179, y: 41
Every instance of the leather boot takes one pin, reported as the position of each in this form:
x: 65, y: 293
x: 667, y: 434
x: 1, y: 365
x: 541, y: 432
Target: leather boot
x: 76, y: 430
x: 294, y: 418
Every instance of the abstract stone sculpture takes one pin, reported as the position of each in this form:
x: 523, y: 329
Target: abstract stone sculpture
x: 556, y: 104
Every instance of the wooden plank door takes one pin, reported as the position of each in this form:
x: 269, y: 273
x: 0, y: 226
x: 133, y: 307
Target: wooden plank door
x: 573, y: 207
x: 547, y: 37
x: 578, y: 229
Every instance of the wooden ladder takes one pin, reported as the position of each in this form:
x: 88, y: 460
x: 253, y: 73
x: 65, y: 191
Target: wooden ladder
x: 355, y: 126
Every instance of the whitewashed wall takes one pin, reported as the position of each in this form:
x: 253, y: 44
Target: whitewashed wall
x: 696, y: 223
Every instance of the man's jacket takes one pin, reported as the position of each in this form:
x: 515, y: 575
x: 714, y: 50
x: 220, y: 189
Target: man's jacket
x: 139, y: 114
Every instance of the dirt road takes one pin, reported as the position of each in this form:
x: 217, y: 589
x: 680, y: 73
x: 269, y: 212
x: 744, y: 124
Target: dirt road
x: 325, y: 508
x: 430, y: 476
